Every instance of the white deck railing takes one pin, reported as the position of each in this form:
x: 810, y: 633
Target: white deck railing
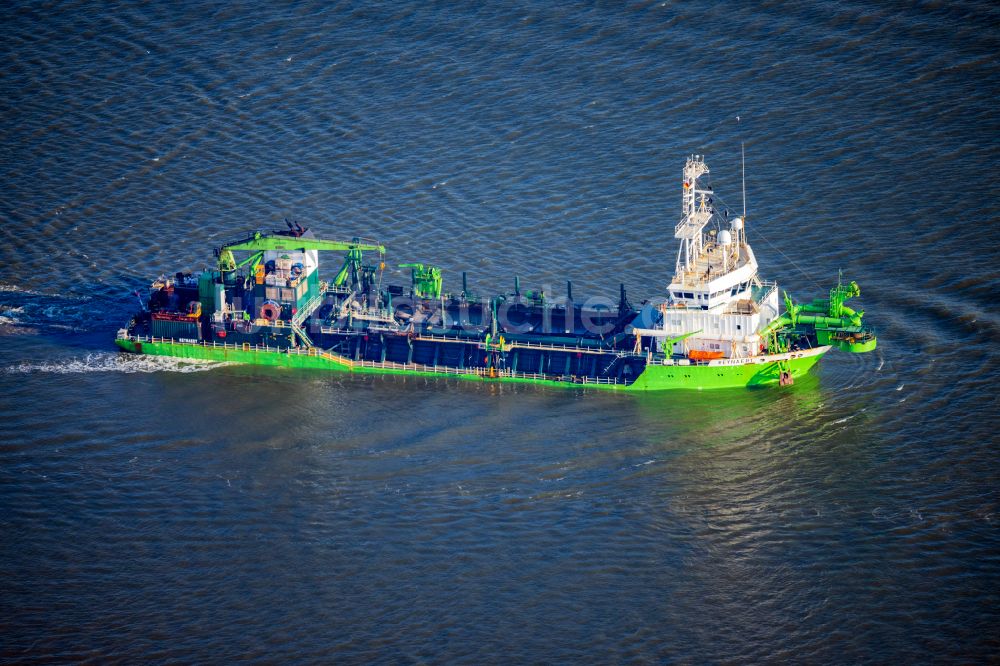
x: 385, y: 365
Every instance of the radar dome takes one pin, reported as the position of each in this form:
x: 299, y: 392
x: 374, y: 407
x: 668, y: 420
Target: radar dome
x: 725, y: 238
x: 737, y: 223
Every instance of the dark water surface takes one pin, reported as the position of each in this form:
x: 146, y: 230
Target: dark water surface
x: 157, y: 510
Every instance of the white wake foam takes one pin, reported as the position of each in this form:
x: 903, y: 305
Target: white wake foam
x: 9, y: 314
x: 112, y: 362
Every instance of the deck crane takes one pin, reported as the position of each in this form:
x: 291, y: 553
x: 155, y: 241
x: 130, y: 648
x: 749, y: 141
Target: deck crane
x: 351, y: 273
x: 260, y: 242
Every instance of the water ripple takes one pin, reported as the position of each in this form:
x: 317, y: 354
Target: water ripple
x: 156, y: 510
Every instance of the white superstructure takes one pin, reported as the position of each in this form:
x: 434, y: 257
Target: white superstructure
x: 716, y: 301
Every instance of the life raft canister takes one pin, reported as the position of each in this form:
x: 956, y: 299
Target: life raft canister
x: 270, y: 310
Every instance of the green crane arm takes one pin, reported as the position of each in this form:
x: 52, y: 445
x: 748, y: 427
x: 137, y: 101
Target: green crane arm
x: 670, y: 342
x: 227, y: 262
x: 260, y: 241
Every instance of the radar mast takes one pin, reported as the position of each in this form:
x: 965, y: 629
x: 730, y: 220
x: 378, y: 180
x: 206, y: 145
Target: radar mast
x: 697, y: 213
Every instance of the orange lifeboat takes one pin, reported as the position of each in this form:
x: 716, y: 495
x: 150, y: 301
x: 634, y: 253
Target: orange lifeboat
x: 701, y: 355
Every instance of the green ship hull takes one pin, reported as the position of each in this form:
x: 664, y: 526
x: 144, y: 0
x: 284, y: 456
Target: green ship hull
x: 761, y: 371
x: 717, y: 325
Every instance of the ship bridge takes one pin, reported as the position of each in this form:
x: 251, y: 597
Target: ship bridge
x: 714, y: 266
x: 716, y: 302
x: 720, y: 274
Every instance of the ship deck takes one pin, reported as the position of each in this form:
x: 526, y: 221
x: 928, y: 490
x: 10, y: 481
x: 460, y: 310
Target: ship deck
x: 709, y: 265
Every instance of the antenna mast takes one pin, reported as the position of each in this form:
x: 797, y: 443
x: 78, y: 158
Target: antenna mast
x: 743, y: 175
x: 743, y: 169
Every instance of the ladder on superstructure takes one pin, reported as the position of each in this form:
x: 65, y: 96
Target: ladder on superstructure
x: 302, y: 314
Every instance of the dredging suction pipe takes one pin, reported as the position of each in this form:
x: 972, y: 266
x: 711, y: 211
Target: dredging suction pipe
x: 829, y: 313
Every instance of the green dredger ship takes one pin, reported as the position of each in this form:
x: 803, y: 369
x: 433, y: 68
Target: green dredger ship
x: 717, y: 326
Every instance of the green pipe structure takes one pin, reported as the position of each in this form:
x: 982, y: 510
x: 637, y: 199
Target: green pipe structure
x: 425, y: 280
x: 829, y: 315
